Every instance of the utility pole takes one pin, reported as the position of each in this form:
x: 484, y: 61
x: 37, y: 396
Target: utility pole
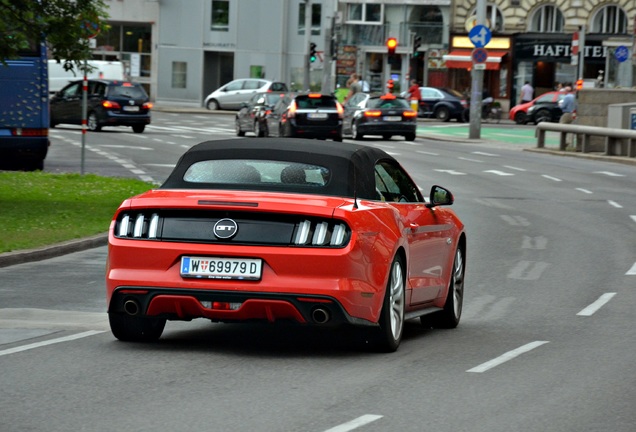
x: 477, y: 83
x: 307, y: 39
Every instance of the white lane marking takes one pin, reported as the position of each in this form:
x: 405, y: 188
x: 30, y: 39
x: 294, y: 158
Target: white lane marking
x: 528, y: 270
x: 609, y: 173
x: 485, y: 154
x: 514, y: 168
x: 451, y: 172
x: 499, y: 173
x: 470, y: 160
x: 119, y: 146
x: 161, y: 165
x: 633, y: 217
x: 355, y: 423
x: 506, y: 357
x: 551, y: 178
x: 631, y: 271
x: 427, y: 153
x: 614, y: 204
x: 584, y: 190
x: 589, y: 311
x: 515, y: 220
x: 50, y: 342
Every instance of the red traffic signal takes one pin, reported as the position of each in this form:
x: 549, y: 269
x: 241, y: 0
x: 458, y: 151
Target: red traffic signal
x: 391, y: 44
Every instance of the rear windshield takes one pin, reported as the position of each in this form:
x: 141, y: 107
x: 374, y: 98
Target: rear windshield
x: 308, y: 102
x: 245, y: 172
x: 127, y: 90
x: 388, y: 103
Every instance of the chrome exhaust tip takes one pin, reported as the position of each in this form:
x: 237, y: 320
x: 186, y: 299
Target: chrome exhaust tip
x: 320, y: 315
x: 131, y: 307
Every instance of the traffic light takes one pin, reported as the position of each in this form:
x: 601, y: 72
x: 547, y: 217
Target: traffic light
x: 579, y: 84
x: 417, y: 42
x: 389, y: 86
x: 312, y: 52
x: 391, y: 44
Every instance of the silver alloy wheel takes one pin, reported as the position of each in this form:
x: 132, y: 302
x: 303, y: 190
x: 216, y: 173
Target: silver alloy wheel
x: 458, y: 284
x: 396, y: 300
x: 257, y: 128
x: 92, y: 122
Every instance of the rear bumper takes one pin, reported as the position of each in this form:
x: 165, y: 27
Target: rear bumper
x: 316, y: 131
x: 112, y: 118
x: 179, y: 304
x: 24, y: 147
x: 384, y: 128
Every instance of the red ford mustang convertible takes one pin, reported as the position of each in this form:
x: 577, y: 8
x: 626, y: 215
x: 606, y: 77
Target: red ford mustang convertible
x: 314, y: 232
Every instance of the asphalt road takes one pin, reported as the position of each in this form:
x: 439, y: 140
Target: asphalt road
x: 546, y: 341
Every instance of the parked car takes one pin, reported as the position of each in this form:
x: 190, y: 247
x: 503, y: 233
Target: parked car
x: 231, y: 95
x: 251, y: 116
x: 307, y: 115
x: 110, y: 103
x: 541, y: 108
x: 317, y: 233
x: 385, y: 115
x: 443, y: 104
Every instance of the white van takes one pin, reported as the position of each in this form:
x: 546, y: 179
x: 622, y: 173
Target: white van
x: 58, y: 77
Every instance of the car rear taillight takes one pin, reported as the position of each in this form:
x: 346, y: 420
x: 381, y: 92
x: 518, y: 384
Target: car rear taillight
x: 292, y: 110
x: 147, y: 105
x: 314, y: 95
x: 321, y: 233
x: 373, y: 113
x: 111, y: 105
x: 410, y: 113
x: 30, y: 132
x: 464, y: 103
x: 138, y: 226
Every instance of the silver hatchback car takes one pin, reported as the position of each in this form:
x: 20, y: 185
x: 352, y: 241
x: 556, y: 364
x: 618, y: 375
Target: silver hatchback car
x: 233, y: 94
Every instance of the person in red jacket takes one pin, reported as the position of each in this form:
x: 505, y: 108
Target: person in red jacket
x: 415, y: 95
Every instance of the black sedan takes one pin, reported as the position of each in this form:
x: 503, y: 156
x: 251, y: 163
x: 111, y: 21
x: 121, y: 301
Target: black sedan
x: 442, y: 103
x: 251, y: 116
x: 110, y: 103
x: 308, y: 115
x: 386, y: 115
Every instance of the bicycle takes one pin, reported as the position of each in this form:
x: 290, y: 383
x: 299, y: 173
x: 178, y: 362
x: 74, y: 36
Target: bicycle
x: 489, y: 112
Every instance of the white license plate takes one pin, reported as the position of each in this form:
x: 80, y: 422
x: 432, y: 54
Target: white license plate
x: 221, y: 268
x: 131, y: 108
x: 392, y: 118
x: 317, y: 116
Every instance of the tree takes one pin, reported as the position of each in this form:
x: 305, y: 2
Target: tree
x: 64, y: 23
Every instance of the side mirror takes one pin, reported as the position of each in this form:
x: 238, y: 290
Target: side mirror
x: 439, y: 196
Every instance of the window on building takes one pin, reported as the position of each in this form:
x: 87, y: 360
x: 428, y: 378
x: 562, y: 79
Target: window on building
x: 547, y: 19
x: 316, y: 19
x: 609, y: 19
x: 365, y: 13
x: 220, y: 15
x: 179, y: 74
x: 494, y: 18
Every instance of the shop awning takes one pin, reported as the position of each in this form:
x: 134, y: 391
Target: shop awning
x: 461, y: 59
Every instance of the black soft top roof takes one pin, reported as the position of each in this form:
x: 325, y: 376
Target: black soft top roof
x: 350, y: 164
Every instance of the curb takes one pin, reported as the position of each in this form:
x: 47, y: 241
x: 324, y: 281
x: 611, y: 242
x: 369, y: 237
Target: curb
x: 46, y: 252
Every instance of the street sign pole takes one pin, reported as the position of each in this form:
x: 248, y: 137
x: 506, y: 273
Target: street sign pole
x: 477, y: 78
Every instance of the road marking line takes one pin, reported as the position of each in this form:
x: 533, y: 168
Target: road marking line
x: 609, y: 173
x: 427, y: 153
x: 615, y: 204
x: 485, y: 154
x: 50, y: 342
x: 631, y: 271
x: 470, y: 160
x: 551, y: 178
x: 589, y: 311
x: 584, y: 190
x: 506, y: 357
x: 452, y: 172
x: 528, y: 270
x: 633, y: 217
x: 499, y: 173
x: 514, y: 168
x: 355, y: 423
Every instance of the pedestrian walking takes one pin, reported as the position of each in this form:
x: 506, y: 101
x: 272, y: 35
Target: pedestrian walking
x: 568, y: 106
x: 414, y: 95
x: 354, y: 86
x: 527, y: 93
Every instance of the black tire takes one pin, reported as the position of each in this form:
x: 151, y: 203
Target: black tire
x: 239, y: 132
x: 338, y: 138
x: 212, y: 105
x: 521, y: 118
x: 92, y: 123
x: 465, y: 116
x: 442, y: 114
x: 409, y: 137
x: 387, y: 338
x: 542, y: 115
x: 136, y: 329
x: 386, y: 137
x: 355, y: 134
x: 258, y: 131
x: 139, y: 128
x: 451, y: 314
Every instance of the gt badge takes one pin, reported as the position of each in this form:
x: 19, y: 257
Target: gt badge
x: 225, y: 229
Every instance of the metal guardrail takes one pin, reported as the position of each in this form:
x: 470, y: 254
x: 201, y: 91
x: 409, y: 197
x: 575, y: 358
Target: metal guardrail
x: 618, y: 142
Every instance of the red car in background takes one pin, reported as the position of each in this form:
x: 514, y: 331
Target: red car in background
x: 519, y: 113
x: 318, y: 233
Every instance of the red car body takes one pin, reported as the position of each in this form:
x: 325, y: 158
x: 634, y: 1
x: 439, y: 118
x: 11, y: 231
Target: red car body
x: 338, y: 272
x: 519, y: 113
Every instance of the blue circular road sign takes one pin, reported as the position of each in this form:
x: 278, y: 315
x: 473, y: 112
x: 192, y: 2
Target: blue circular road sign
x: 621, y: 53
x: 480, y: 35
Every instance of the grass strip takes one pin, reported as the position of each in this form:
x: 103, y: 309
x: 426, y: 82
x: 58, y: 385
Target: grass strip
x: 39, y: 209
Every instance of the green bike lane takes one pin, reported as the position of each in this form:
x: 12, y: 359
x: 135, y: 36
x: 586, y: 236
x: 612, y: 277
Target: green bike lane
x: 522, y: 136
